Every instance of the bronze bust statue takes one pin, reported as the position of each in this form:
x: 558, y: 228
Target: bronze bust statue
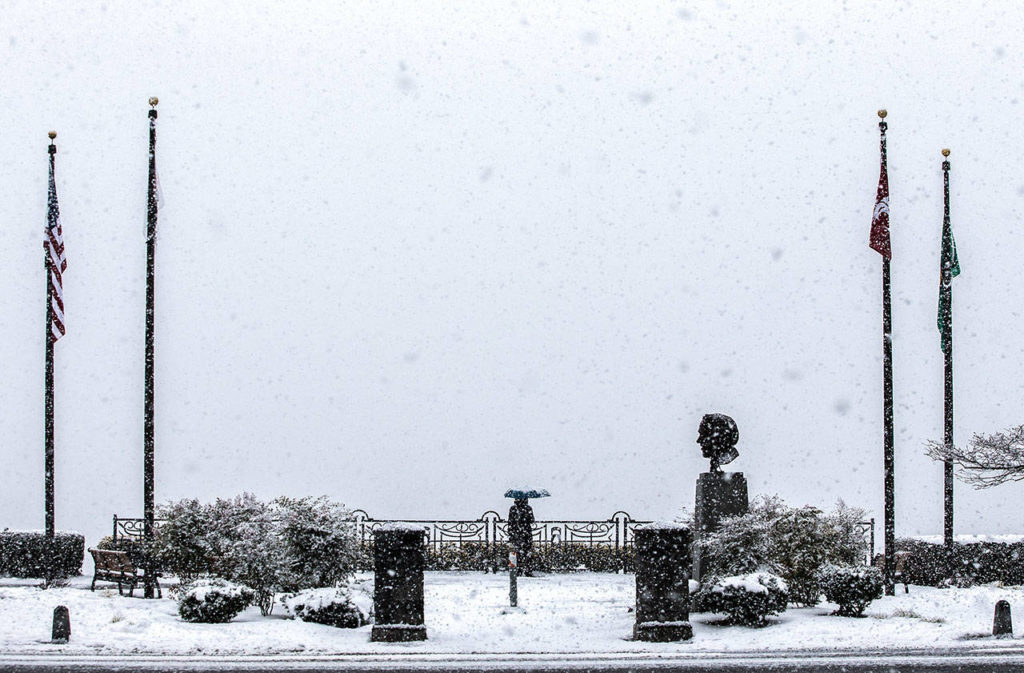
x: 717, y: 437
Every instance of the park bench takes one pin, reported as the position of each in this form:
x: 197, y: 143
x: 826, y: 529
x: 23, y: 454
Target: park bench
x: 117, y: 566
x: 899, y: 576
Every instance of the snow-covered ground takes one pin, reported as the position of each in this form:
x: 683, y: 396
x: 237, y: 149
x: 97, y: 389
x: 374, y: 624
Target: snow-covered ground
x: 467, y: 612
x: 971, y: 538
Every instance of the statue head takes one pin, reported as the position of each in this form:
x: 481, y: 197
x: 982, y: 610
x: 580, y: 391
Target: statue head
x: 717, y: 437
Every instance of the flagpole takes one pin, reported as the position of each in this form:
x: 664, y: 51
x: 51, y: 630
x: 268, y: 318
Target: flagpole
x: 887, y: 450
x: 48, y: 462
x: 149, y: 402
x: 946, y: 303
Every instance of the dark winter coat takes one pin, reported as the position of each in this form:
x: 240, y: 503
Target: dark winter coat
x: 520, y: 525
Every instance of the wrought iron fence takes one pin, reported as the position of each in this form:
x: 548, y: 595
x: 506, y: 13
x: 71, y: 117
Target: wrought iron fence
x: 490, y: 531
x: 484, y: 535
x: 129, y: 528
x: 615, y: 532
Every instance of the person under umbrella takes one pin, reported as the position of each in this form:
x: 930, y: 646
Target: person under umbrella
x: 520, y: 528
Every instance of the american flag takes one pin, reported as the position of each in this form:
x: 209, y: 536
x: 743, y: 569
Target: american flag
x: 880, y: 218
x: 55, y: 261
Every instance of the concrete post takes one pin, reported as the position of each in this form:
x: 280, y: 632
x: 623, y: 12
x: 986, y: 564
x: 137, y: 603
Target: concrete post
x: 398, y: 562
x: 662, y: 583
x: 61, y: 624
x: 1002, y: 623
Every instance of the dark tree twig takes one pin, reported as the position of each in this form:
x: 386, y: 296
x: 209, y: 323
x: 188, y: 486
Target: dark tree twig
x: 987, y: 460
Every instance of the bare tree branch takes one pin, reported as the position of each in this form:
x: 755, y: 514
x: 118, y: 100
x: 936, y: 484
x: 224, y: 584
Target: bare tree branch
x: 987, y: 460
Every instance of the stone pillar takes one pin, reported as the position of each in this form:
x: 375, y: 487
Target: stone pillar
x: 662, y: 583
x: 1002, y: 623
x: 398, y: 561
x: 719, y: 494
x: 61, y: 632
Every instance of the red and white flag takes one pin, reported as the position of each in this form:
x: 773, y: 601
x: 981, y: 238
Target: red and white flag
x: 55, y: 261
x: 880, y: 219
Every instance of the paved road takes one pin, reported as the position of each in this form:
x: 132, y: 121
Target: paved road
x: 975, y: 661
x: 763, y: 667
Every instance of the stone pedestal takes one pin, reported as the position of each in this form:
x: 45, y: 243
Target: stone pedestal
x: 398, y: 562
x: 719, y: 494
x: 1002, y: 623
x: 61, y: 624
x: 662, y: 583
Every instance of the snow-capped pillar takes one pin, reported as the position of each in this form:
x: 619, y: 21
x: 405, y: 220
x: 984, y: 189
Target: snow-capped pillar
x: 398, y: 562
x: 662, y: 583
x: 719, y: 494
x: 61, y: 625
x: 1002, y: 624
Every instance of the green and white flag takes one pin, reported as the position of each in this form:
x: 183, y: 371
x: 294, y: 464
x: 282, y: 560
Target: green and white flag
x: 949, y: 268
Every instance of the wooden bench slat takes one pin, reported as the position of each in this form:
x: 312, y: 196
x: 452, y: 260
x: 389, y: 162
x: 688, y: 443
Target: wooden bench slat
x: 116, y: 566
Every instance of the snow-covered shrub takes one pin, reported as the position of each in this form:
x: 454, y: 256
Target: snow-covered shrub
x: 849, y: 546
x: 250, y: 550
x: 747, y: 599
x: 32, y: 554
x: 789, y: 541
x: 804, y: 541
x: 743, y: 544
x: 340, y: 607
x: 213, y: 600
x: 320, y: 542
x: 288, y: 544
x: 185, y: 544
x: 852, y: 588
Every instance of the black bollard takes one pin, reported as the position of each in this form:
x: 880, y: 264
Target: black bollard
x: 398, y: 561
x: 513, y: 586
x: 61, y: 624
x: 662, y: 583
x: 1002, y: 623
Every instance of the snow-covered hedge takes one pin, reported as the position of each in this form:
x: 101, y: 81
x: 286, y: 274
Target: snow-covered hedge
x: 547, y: 557
x: 469, y: 556
x: 285, y: 545
x: 573, y: 557
x: 792, y: 542
x: 340, y: 607
x: 213, y: 600
x: 852, y: 588
x: 747, y: 599
x: 930, y: 564
x: 31, y: 554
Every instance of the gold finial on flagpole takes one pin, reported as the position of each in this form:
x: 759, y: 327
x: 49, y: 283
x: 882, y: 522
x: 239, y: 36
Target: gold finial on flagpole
x: 945, y: 152
x: 153, y: 101
x: 52, y: 134
x: 882, y: 114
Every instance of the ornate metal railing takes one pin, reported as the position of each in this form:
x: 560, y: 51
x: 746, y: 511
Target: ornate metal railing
x: 486, y: 536
x: 491, y: 530
x: 128, y: 528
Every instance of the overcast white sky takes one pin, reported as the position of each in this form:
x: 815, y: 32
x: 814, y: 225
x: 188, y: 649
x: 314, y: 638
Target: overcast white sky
x: 412, y: 253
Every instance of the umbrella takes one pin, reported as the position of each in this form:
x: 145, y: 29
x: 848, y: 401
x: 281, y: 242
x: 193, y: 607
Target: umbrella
x: 521, y: 493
